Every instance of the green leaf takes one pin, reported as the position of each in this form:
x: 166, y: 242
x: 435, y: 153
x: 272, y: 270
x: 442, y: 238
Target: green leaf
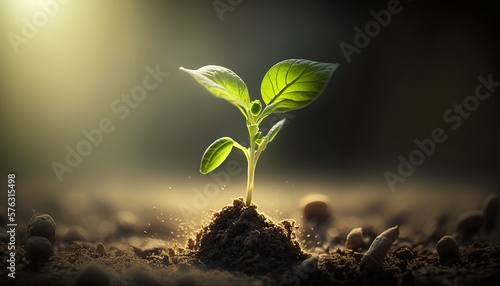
x: 293, y: 84
x: 215, y: 154
x: 275, y: 129
x: 272, y: 133
x: 223, y: 83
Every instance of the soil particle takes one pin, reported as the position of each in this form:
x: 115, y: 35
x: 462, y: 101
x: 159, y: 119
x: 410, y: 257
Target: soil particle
x: 101, y: 250
x: 404, y: 254
x: 239, y: 238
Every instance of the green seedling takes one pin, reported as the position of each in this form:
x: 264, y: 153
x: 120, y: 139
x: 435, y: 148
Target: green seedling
x: 290, y: 84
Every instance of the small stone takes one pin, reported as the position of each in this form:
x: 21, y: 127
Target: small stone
x: 316, y: 207
x: 491, y: 208
x: 447, y: 248
x: 471, y: 222
x: 42, y: 225
x: 38, y: 249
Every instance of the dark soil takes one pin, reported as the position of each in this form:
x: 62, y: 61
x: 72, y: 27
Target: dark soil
x: 242, y: 246
x: 240, y: 239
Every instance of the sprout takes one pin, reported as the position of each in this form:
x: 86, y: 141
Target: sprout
x: 288, y: 85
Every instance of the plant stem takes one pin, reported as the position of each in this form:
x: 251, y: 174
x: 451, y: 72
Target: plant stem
x: 252, y: 160
x: 250, y: 181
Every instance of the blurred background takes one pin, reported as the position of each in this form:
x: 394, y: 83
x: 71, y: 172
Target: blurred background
x: 68, y: 65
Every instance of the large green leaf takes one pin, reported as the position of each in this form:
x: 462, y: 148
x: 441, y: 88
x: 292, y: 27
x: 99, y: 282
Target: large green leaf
x: 293, y: 84
x: 215, y: 154
x: 223, y: 83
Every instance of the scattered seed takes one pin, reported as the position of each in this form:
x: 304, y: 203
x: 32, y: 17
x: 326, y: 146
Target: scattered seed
x: 38, y: 249
x: 355, y: 239
x: 447, y: 248
x: 316, y: 207
x: 471, y: 222
x: 491, y: 209
x: 42, y: 225
x: 375, y: 256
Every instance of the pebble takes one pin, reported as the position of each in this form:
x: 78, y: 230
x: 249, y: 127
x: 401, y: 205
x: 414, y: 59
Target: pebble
x: 316, y: 207
x: 38, y: 249
x: 42, y: 225
x: 491, y: 208
x: 447, y: 248
x: 471, y: 222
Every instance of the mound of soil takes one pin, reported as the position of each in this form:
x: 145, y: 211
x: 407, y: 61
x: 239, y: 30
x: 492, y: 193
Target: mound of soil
x: 239, y: 238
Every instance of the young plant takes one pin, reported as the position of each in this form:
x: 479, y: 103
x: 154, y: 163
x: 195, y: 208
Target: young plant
x: 290, y: 84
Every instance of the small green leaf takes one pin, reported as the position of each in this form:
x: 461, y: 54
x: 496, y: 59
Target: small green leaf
x: 223, y: 83
x: 275, y: 129
x: 293, y: 84
x: 215, y: 154
x: 271, y: 134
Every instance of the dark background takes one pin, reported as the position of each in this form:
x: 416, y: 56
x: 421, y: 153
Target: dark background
x: 394, y: 91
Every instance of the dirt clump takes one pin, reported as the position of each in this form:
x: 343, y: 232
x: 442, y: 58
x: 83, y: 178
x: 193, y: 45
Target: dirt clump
x: 239, y: 238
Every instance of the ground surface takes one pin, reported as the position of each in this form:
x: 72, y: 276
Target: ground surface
x: 106, y: 241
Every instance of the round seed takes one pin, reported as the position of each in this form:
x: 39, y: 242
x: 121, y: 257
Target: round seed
x: 38, y: 249
x: 42, y: 225
x: 447, y: 248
